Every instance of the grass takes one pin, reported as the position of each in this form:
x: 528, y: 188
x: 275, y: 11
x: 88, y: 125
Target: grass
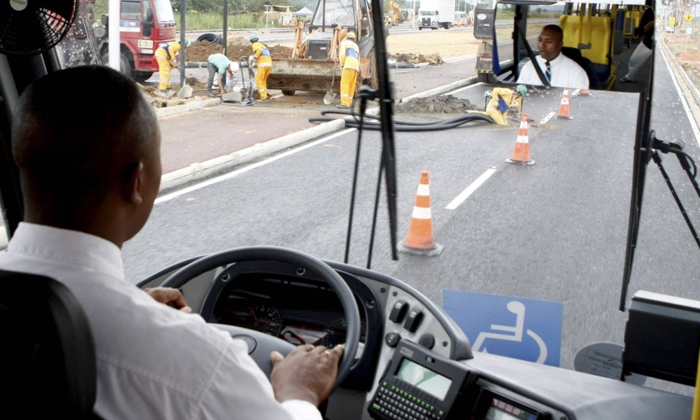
x: 203, y: 21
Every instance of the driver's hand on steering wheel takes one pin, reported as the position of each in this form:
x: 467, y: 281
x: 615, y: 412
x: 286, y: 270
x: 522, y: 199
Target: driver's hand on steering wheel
x: 169, y: 296
x: 307, y: 373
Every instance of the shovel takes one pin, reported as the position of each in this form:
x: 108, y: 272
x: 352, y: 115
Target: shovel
x: 185, y: 91
x: 330, y: 96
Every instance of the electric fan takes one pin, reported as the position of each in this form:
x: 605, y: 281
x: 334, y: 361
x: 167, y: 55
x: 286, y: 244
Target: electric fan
x: 33, y: 26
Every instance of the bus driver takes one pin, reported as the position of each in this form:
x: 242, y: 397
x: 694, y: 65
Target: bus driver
x: 90, y: 175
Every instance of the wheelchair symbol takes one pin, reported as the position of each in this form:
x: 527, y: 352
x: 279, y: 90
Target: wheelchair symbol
x: 512, y: 333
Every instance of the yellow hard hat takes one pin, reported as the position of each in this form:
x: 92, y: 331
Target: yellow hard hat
x: 351, y: 35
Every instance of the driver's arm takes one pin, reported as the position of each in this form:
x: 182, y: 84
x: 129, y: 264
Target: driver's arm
x: 169, y: 296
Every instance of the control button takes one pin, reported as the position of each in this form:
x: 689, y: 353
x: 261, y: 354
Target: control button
x: 398, y: 311
x: 392, y: 339
x: 413, y: 320
x: 427, y: 341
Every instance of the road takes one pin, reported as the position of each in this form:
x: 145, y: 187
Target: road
x: 554, y: 231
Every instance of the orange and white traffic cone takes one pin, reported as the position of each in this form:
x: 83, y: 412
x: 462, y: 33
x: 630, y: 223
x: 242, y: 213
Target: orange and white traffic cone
x: 564, y: 106
x: 521, y: 153
x: 419, y: 240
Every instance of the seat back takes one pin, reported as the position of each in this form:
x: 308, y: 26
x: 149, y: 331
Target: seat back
x: 590, y: 34
x: 586, y: 65
x: 47, y: 357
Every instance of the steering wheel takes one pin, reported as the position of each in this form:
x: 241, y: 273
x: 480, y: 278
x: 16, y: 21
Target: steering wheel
x: 259, y: 344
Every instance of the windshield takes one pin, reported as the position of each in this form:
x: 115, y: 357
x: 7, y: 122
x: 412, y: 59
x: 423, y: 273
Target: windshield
x: 528, y: 185
x: 164, y: 11
x: 336, y: 11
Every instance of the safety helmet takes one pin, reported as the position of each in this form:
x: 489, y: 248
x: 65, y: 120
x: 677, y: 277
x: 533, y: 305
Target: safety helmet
x: 233, y: 67
x: 522, y: 89
x: 351, y: 35
x: 254, y: 38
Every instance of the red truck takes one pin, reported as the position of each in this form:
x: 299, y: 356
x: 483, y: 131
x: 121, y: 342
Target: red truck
x: 143, y: 26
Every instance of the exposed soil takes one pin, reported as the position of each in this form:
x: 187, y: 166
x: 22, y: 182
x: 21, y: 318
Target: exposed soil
x: 237, y: 47
x: 685, y: 48
x: 432, y: 59
x: 446, y: 104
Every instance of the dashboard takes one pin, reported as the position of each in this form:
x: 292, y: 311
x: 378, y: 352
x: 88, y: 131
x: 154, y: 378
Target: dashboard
x: 413, y: 358
x: 298, y: 312
x: 292, y: 304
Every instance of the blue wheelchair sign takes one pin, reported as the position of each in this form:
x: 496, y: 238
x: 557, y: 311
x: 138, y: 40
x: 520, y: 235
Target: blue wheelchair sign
x: 516, y: 327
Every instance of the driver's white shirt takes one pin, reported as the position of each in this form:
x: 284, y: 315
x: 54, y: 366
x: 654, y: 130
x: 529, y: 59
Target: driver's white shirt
x: 566, y: 73
x: 153, y: 362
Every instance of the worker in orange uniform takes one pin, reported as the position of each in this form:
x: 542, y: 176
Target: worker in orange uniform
x: 350, y: 62
x: 263, y: 60
x: 167, y: 56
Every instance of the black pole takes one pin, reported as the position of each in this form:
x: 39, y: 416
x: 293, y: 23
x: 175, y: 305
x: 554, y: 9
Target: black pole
x: 183, y: 47
x: 384, y: 95
x: 225, y: 25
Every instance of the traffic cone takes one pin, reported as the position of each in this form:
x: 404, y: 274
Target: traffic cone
x: 564, y: 106
x: 521, y: 153
x: 419, y: 240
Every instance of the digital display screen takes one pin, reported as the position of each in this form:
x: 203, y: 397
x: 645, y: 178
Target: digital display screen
x: 501, y: 410
x: 424, y: 379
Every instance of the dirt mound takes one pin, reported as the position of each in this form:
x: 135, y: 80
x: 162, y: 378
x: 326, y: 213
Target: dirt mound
x: 200, y: 51
x: 431, y: 59
x: 436, y: 104
x: 237, y: 47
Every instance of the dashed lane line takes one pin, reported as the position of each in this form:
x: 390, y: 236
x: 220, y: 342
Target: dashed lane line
x: 470, y: 189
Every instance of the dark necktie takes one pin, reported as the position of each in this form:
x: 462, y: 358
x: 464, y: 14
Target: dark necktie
x: 548, y: 72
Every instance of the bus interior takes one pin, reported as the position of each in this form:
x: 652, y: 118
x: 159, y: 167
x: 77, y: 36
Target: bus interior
x: 406, y: 357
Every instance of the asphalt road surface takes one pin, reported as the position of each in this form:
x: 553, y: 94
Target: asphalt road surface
x: 554, y: 231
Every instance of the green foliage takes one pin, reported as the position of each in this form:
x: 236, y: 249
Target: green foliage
x: 215, y: 21
x: 233, y: 5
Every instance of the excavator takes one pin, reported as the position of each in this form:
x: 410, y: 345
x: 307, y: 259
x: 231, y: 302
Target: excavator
x: 396, y: 15
x: 313, y: 66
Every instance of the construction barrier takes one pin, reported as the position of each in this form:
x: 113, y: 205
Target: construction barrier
x: 419, y: 240
x: 564, y: 111
x: 521, y: 153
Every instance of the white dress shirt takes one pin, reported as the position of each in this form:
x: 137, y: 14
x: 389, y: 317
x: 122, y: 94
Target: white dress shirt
x: 153, y: 362
x: 565, y: 73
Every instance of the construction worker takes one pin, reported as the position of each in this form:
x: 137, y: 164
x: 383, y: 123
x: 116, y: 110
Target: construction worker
x: 263, y: 60
x: 218, y: 64
x: 502, y: 100
x: 349, y: 55
x: 167, y: 56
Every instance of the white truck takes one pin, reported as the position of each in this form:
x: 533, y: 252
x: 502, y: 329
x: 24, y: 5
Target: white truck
x: 435, y: 14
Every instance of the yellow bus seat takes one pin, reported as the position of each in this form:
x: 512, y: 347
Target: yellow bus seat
x: 595, y: 39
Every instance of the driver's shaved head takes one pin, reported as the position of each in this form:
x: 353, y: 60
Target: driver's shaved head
x: 78, y: 135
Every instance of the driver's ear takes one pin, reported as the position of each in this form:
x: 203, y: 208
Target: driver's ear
x: 134, y: 183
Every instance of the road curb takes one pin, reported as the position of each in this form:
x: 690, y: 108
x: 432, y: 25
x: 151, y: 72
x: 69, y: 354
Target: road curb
x: 200, y: 170
x: 442, y: 89
x: 190, y: 106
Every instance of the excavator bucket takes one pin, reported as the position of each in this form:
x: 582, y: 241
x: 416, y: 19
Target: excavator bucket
x: 309, y: 75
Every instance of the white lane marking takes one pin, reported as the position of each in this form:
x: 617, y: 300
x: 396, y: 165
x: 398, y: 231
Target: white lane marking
x: 688, y: 112
x: 470, y: 189
x: 233, y: 174
x: 546, y: 118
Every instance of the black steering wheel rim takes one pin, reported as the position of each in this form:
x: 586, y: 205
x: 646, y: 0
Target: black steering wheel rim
x: 272, y: 253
